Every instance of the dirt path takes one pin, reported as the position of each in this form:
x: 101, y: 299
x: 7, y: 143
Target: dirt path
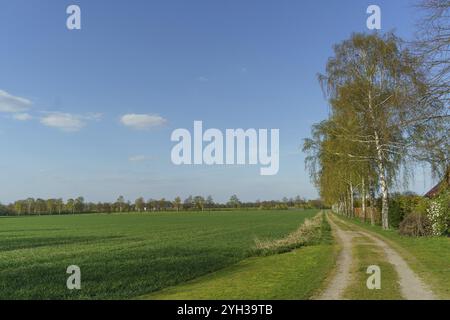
x: 411, y: 286
x: 342, y: 275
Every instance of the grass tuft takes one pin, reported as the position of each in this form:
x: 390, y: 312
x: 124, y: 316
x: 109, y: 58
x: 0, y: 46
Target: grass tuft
x: 311, y: 232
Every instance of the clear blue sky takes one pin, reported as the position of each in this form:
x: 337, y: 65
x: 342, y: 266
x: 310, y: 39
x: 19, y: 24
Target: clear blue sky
x: 230, y: 63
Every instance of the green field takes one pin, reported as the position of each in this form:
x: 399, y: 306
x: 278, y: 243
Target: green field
x: 298, y: 274
x: 295, y: 275
x: 129, y: 255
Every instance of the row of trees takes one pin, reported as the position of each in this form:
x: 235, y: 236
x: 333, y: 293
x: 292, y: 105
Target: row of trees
x: 388, y: 111
x: 32, y: 206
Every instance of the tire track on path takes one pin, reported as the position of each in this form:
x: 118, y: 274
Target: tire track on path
x: 411, y: 286
x: 342, y: 277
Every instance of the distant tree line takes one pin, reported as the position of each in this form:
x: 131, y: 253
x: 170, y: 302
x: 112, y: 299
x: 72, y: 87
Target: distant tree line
x: 31, y: 206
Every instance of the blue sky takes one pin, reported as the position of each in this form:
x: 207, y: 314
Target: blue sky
x: 231, y: 64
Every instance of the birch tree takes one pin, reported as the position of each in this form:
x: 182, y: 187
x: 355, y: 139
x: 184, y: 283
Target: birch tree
x: 433, y: 44
x: 376, y: 90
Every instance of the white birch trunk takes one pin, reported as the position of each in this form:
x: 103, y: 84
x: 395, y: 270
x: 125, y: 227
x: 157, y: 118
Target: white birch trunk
x: 381, y: 172
x: 363, y: 199
x: 352, y: 202
x: 383, y: 185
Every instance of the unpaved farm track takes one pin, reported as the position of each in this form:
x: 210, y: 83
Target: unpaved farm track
x: 342, y: 277
x: 411, y: 286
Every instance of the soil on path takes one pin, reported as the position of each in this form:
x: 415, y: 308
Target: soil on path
x: 411, y: 286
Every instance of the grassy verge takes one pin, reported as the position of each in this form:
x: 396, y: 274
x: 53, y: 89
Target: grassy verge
x: 310, y: 232
x: 294, y: 275
x: 428, y: 257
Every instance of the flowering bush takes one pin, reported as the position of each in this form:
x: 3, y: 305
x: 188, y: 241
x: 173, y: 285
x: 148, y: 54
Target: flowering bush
x: 438, y: 214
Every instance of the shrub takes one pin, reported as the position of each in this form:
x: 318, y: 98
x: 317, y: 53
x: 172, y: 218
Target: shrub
x: 422, y: 206
x: 396, y: 213
x: 438, y: 214
x: 409, y: 202
x: 415, y: 225
x: 281, y: 206
x: 311, y: 232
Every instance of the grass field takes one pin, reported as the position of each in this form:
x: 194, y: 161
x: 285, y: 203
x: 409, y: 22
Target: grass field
x: 129, y: 255
x: 298, y: 274
x: 294, y: 275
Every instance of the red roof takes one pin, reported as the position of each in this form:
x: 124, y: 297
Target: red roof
x: 437, y: 188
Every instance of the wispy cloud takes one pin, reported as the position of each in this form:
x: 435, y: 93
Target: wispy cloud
x: 142, y: 121
x: 63, y: 121
x: 93, y: 116
x: 22, y: 116
x: 139, y: 158
x: 68, y: 122
x: 202, y: 79
x: 17, y: 106
x: 13, y: 104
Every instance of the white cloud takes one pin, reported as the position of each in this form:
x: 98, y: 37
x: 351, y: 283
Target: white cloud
x: 95, y: 116
x: 13, y: 104
x: 139, y: 158
x: 63, y: 121
x: 22, y: 116
x: 68, y: 122
x: 203, y: 79
x: 142, y: 121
